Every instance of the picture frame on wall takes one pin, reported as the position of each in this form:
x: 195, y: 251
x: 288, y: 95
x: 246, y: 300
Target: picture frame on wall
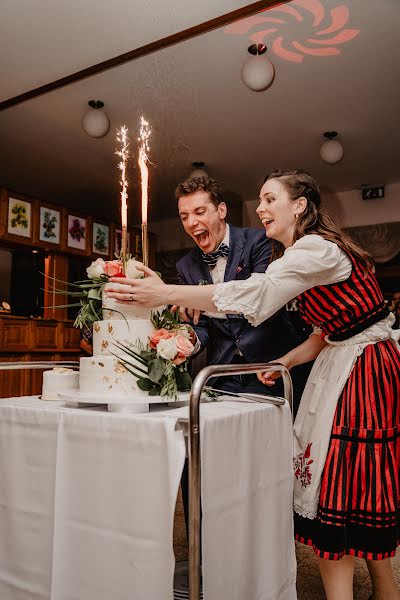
x: 19, y: 214
x: 101, y: 238
x: 77, y: 230
x: 48, y: 229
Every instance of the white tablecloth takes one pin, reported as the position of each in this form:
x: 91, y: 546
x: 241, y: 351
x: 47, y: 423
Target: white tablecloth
x: 87, y: 502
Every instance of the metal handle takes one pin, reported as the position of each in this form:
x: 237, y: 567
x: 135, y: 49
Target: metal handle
x: 194, y: 453
x: 39, y: 364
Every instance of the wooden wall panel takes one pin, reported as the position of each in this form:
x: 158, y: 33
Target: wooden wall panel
x: 72, y: 336
x: 23, y: 339
x: 16, y: 335
x: 13, y: 383
x: 46, y: 335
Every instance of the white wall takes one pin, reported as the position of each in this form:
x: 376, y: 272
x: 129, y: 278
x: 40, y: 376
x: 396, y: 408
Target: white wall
x: 347, y: 208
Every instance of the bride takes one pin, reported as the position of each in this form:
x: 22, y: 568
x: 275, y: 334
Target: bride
x: 346, y: 460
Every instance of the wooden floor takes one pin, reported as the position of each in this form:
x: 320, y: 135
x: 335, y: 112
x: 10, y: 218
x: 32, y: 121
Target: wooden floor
x: 309, y: 584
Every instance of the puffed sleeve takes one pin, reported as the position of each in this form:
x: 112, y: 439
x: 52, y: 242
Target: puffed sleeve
x: 311, y: 261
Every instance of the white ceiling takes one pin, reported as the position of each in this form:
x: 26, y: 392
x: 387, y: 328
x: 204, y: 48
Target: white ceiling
x: 192, y: 95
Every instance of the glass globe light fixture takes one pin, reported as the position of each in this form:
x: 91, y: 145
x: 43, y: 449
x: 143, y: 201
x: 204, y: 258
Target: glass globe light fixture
x: 331, y: 150
x: 257, y: 71
x: 96, y: 122
x: 198, y: 170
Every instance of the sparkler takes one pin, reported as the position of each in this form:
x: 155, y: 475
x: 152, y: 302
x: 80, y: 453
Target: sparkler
x: 143, y: 158
x: 122, y: 139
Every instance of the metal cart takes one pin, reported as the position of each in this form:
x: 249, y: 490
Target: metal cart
x: 194, y: 449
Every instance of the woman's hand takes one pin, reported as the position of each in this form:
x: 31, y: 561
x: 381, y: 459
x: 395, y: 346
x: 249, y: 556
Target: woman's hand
x: 150, y: 292
x: 269, y: 377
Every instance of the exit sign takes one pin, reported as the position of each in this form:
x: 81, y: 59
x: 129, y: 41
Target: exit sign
x: 371, y: 193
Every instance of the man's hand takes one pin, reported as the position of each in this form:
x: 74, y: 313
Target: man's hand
x: 188, y: 315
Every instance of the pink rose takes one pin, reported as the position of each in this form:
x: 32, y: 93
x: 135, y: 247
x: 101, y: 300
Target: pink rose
x: 113, y: 268
x: 160, y: 334
x: 184, y: 348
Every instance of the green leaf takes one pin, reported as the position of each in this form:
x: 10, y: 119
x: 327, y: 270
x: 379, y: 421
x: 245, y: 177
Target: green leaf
x: 144, y: 384
x: 156, y: 369
x: 183, y: 381
x: 60, y: 280
x: 155, y: 391
x: 65, y: 305
x: 136, y: 373
x: 128, y: 350
x: 148, y: 354
x: 133, y: 366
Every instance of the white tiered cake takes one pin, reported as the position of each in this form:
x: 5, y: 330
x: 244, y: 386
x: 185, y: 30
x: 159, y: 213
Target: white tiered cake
x: 102, y: 373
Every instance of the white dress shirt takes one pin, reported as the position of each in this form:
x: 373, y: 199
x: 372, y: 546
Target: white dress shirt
x: 218, y: 274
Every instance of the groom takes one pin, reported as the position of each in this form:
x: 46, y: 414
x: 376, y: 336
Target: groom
x: 226, y: 253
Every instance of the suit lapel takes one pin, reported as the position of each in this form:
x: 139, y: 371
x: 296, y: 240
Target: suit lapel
x: 236, y: 245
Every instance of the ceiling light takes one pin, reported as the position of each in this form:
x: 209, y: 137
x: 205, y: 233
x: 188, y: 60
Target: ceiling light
x: 257, y: 71
x: 331, y: 150
x: 96, y: 122
x: 198, y: 171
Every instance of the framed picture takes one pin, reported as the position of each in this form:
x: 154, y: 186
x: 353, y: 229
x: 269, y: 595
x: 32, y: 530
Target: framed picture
x: 76, y: 235
x: 47, y: 230
x: 19, y: 218
x: 100, y: 239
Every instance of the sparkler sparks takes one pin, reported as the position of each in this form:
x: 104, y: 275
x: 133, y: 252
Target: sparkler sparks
x: 144, y: 135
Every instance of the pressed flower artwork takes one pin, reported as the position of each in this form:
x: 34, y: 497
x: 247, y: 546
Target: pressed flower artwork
x: 76, y: 235
x: 49, y: 225
x: 101, y: 239
x: 19, y: 217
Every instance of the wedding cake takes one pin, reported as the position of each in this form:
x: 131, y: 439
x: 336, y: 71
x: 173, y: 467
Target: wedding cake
x: 139, y: 356
x: 59, y: 379
x: 103, y: 373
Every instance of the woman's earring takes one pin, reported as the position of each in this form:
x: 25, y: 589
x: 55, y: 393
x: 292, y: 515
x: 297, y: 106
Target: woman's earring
x: 296, y: 215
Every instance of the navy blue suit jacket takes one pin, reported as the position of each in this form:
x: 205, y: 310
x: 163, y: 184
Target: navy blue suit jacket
x: 249, y: 252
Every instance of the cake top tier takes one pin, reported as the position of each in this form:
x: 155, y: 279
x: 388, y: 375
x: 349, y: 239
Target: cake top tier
x: 113, y: 310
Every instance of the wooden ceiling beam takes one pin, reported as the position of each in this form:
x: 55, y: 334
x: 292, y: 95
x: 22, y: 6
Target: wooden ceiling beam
x: 171, y: 40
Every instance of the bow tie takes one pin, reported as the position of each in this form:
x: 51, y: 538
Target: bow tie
x: 211, y: 258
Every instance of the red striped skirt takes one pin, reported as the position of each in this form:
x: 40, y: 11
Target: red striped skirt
x: 358, y: 512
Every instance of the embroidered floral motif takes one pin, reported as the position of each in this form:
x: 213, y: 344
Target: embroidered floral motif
x: 302, y: 466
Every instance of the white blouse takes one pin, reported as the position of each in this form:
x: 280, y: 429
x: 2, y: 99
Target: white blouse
x: 311, y: 261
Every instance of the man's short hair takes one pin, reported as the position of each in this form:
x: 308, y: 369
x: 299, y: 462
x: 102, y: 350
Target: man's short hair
x: 204, y: 184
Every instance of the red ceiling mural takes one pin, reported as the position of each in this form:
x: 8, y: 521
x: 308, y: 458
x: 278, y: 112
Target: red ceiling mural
x: 319, y: 30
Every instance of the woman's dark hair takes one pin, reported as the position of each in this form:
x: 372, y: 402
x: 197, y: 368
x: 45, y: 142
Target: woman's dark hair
x: 313, y: 220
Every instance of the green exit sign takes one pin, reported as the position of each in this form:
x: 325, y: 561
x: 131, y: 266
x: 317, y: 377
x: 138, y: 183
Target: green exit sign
x: 371, y: 193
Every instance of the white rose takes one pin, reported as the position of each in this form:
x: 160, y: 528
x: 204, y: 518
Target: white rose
x: 167, y: 348
x: 185, y: 333
x: 96, y: 269
x: 131, y: 271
